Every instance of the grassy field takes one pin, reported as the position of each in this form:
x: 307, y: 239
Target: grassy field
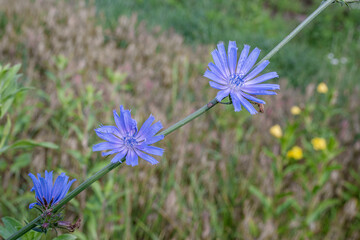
x: 224, y: 175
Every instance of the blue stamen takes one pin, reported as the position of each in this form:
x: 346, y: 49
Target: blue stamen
x: 236, y: 80
x: 130, y: 141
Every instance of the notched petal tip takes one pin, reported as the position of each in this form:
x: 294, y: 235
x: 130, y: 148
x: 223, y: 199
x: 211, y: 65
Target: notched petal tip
x: 160, y: 125
x: 253, y: 112
x: 31, y: 205
x: 221, y: 43
x: 154, y: 163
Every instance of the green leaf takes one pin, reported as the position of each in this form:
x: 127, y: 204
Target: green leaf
x: 8, y: 87
x: 290, y: 202
x: 65, y: 237
x: 32, y: 235
x: 29, y: 144
x: 294, y: 168
x: 11, y: 225
x: 5, y: 132
x: 266, y: 202
x: 21, y: 162
x: 97, y: 190
x: 270, y: 154
x: 323, y: 206
x: 3, y: 165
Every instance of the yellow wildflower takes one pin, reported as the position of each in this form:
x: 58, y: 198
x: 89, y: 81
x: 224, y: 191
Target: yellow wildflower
x: 276, y: 131
x: 322, y: 88
x: 295, y: 110
x: 295, y: 153
x: 318, y: 143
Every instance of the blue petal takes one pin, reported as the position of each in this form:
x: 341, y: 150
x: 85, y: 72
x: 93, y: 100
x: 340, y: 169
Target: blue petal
x: 154, y: 139
x: 119, y: 121
x: 109, y: 130
x: 49, y: 183
x: 146, y: 157
x: 116, y: 150
x: 250, y: 61
x: 37, y: 186
x: 45, y: 190
x: 243, y: 56
x: 32, y: 205
x: 259, y: 92
x: 218, y: 61
x: 236, y: 102
x: 221, y: 49
x: 232, y: 53
x: 66, y: 189
x: 132, y: 158
x: 58, y: 187
x: 150, y: 131
x: 214, y: 69
x: 105, y: 146
x: 130, y: 124
x: 108, y: 136
x: 257, y: 70
x: 252, y: 98
x: 151, y: 150
x: 118, y: 157
x: 261, y: 87
x: 262, y: 78
x: 214, y: 77
x: 222, y: 94
x: 247, y: 104
x: 217, y: 86
x: 145, y: 127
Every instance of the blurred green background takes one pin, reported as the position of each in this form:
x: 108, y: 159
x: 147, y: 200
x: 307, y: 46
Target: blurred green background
x: 224, y: 175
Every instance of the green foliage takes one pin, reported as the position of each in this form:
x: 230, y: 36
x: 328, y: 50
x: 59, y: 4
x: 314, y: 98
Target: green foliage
x: 11, y: 225
x: 10, y: 95
x: 311, y: 172
x: 65, y: 237
x: 8, y: 87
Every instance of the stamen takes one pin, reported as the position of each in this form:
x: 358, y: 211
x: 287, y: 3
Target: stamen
x: 130, y: 141
x: 236, y: 80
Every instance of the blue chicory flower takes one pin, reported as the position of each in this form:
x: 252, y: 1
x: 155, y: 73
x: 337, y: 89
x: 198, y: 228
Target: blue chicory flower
x: 126, y: 140
x: 233, y: 78
x: 48, y: 194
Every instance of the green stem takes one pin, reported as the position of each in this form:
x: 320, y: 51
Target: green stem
x: 189, y: 118
x: 297, y: 30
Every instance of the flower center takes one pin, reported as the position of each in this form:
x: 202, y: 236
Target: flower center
x: 236, y: 80
x: 130, y: 141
